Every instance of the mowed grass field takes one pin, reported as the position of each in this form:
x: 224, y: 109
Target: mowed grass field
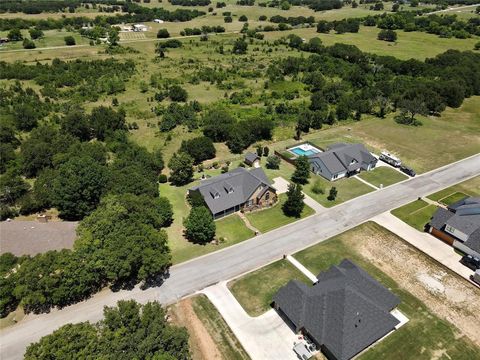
x: 426, y: 333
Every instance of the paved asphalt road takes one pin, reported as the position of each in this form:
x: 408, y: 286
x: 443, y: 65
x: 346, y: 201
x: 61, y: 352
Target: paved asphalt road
x: 189, y: 277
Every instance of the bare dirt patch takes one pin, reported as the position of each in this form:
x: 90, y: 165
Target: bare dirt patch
x: 201, y: 343
x: 444, y: 293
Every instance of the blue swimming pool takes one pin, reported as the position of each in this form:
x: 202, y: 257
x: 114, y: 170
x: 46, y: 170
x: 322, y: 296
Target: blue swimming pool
x: 304, y: 150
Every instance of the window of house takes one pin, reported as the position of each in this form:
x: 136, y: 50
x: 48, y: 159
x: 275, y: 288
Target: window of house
x: 267, y: 195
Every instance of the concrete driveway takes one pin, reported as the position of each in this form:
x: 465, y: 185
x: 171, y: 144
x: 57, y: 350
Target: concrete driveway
x: 426, y: 243
x: 280, y: 184
x: 266, y: 337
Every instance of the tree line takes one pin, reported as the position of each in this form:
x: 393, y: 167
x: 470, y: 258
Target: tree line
x: 132, y: 13
x: 38, y: 7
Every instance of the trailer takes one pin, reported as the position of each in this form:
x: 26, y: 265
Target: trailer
x: 390, y: 159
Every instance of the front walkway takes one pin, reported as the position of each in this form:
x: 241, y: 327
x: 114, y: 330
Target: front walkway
x: 266, y: 337
x: 302, y: 268
x: 248, y: 224
x: 281, y: 185
x: 428, y: 244
x: 366, y: 182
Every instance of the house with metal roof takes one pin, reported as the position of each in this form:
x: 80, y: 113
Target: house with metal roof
x: 342, y: 160
x: 459, y: 225
x: 345, y: 312
x: 236, y: 190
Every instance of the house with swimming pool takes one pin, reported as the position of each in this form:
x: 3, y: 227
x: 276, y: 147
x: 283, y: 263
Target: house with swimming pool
x: 337, y: 161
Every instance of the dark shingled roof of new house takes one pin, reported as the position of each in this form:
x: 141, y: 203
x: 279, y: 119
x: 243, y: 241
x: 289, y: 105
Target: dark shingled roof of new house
x: 464, y: 216
x: 345, y: 311
x: 233, y: 188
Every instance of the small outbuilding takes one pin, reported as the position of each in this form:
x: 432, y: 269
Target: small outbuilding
x: 252, y: 159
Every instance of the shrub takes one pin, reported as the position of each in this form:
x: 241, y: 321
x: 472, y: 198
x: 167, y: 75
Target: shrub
x: 243, y: 18
x: 69, y: 40
x: 317, y: 187
x: 162, y: 178
x: 28, y: 44
x: 273, y: 162
x: 163, y: 34
x: 332, y: 194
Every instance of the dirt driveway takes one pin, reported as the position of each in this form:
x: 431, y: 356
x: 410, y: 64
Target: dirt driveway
x: 447, y: 295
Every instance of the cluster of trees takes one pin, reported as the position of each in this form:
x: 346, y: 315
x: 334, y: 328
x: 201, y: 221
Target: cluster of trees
x: 190, y: 2
x: 444, y: 25
x: 294, y: 21
x: 176, y: 114
x: 340, y: 26
x: 220, y: 126
x: 145, y: 334
x: 387, y: 35
x: 37, y: 7
x: 200, y: 149
x: 203, y: 30
x: 319, y: 5
x: 79, y: 79
x: 378, y: 84
x: 119, y: 243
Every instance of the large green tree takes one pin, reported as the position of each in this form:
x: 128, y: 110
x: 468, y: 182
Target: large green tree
x: 199, y: 225
x: 302, y: 170
x: 181, y: 169
x: 294, y: 204
x: 200, y: 148
x: 78, y: 186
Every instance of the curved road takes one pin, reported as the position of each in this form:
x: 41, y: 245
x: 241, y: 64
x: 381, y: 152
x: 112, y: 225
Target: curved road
x: 194, y: 275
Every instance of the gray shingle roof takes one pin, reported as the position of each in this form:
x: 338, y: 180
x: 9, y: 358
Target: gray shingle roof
x: 464, y: 215
x: 251, y: 157
x: 473, y: 241
x: 233, y: 188
x: 346, y: 311
x: 440, y: 217
x: 345, y: 157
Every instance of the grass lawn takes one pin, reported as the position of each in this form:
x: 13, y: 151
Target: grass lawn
x: 416, y: 213
x: 423, y: 334
x: 231, y: 228
x: 451, y: 199
x: 272, y: 218
x: 254, y: 291
x: 450, y: 195
x: 218, y: 329
x: 347, y: 188
x: 382, y: 175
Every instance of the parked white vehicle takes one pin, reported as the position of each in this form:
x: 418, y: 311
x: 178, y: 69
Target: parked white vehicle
x: 390, y: 159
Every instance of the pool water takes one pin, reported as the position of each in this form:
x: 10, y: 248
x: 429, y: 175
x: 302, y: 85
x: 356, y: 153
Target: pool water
x: 304, y: 150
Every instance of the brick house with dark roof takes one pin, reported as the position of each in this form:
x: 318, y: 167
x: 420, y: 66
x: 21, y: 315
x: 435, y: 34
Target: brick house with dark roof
x: 343, y: 313
x: 459, y: 225
x: 236, y: 190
